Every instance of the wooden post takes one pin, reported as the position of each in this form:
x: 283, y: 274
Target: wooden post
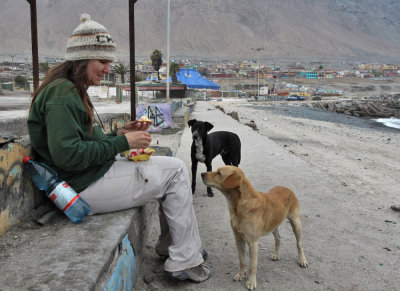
x: 35, y: 58
x: 132, y: 56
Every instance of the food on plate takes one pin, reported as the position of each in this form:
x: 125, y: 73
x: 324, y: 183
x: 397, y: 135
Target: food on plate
x: 144, y: 118
x: 138, y: 155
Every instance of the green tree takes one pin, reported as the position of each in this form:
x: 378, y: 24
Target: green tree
x: 321, y: 67
x: 173, y: 70
x: 121, y: 70
x: 156, y: 61
x: 44, y: 67
x: 21, y: 82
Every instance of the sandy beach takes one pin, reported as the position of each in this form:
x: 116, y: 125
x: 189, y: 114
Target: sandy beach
x: 361, y: 153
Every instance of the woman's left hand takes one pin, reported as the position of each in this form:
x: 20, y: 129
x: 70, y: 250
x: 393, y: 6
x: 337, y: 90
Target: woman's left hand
x: 133, y: 126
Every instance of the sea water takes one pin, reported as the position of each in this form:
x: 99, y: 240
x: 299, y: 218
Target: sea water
x: 389, y: 122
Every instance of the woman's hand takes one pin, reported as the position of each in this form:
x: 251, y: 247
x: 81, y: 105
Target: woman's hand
x: 133, y: 126
x: 138, y: 139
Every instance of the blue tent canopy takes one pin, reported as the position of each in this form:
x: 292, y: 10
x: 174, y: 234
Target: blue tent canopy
x: 192, y: 79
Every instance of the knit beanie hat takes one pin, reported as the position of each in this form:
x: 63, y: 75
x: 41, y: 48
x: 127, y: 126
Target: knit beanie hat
x: 90, y: 41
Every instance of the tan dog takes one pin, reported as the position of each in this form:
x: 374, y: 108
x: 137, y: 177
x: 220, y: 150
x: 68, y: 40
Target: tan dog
x: 254, y: 214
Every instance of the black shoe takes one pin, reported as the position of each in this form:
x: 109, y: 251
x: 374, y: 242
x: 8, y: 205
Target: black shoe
x: 197, y: 274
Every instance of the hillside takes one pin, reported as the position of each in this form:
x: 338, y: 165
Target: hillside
x: 363, y: 29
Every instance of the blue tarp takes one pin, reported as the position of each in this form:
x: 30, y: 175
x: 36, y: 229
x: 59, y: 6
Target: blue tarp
x: 192, y: 79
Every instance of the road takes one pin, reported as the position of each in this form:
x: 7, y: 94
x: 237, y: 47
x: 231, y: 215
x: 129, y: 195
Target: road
x: 344, y: 244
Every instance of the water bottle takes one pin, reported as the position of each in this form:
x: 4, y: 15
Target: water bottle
x: 57, y: 190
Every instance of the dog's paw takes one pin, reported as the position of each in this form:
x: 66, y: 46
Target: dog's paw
x: 239, y: 276
x: 303, y: 263
x: 275, y: 257
x: 251, y: 285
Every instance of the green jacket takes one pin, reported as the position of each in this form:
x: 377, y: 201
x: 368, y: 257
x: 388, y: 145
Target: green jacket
x: 58, y: 128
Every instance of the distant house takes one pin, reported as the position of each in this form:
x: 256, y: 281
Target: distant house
x: 309, y: 75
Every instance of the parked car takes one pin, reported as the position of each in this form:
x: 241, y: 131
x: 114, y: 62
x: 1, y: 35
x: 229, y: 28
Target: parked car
x: 294, y: 98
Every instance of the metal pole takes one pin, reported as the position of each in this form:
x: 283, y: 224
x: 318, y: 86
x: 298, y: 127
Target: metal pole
x: 258, y: 79
x: 12, y: 62
x: 168, y: 30
x: 132, y: 56
x: 34, y: 36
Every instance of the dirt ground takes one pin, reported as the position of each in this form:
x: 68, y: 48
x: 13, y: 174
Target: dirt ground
x: 362, y: 156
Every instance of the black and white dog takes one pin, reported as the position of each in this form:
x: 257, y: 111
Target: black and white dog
x: 205, y: 147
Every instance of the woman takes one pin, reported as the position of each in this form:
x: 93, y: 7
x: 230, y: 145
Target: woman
x: 65, y: 136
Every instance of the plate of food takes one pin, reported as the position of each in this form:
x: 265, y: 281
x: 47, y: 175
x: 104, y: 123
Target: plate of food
x: 138, y: 155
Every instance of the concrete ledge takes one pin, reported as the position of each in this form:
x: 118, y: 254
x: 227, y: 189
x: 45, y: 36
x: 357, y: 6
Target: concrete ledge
x: 103, y: 252
x: 181, y: 115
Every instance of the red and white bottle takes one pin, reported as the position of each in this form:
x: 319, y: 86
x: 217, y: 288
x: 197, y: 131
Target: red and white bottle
x: 58, y: 191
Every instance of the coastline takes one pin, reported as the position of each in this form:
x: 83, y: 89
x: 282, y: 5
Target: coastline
x: 361, y: 153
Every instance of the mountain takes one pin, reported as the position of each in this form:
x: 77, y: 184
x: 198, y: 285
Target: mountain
x: 210, y: 29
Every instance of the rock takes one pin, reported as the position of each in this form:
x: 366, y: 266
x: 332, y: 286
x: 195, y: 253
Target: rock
x: 220, y: 108
x: 252, y: 124
x: 395, y: 207
x: 148, y: 278
x: 234, y: 115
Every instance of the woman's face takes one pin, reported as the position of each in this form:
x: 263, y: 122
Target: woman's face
x: 96, y: 70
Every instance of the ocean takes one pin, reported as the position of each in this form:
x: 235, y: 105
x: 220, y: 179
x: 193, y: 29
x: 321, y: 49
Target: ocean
x: 389, y: 122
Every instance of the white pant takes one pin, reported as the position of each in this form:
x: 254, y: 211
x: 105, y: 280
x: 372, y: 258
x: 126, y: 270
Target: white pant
x: 130, y: 184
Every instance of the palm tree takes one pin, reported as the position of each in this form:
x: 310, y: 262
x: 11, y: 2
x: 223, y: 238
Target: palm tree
x: 173, y: 70
x: 156, y: 61
x: 121, y: 70
x: 44, y: 67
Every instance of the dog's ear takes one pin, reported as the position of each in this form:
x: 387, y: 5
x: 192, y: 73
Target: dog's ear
x: 209, y: 126
x: 191, y: 122
x: 232, y: 181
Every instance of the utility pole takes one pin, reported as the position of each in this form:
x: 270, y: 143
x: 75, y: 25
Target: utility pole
x: 258, y: 79
x: 12, y: 68
x: 258, y: 70
x: 12, y: 62
x: 168, y: 30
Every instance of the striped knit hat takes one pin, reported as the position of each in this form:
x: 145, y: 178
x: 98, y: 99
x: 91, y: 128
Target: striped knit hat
x: 90, y: 41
